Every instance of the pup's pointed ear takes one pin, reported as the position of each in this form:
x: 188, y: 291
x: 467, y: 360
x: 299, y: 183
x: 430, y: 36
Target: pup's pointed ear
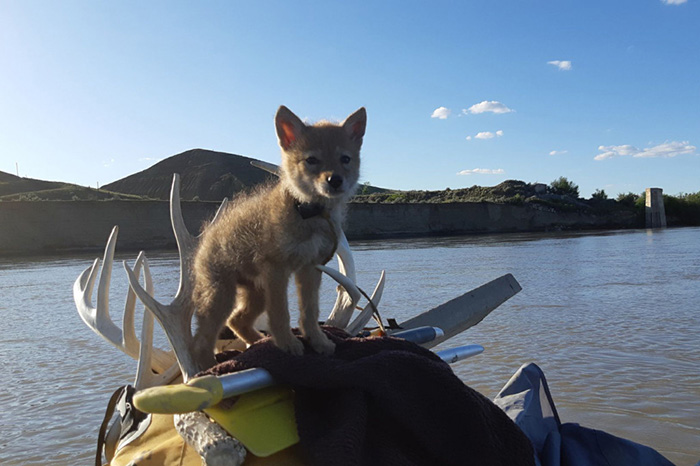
x: 355, y: 124
x: 289, y: 127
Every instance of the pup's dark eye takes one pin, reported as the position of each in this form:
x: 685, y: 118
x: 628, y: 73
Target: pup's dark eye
x: 345, y: 159
x: 312, y: 161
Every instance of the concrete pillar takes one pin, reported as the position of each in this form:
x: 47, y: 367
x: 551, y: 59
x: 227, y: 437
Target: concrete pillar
x: 655, y: 212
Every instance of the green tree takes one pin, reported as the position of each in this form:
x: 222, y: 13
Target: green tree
x: 599, y: 195
x: 564, y: 187
x: 629, y: 199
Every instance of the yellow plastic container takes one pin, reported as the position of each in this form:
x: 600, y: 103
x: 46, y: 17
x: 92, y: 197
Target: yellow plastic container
x: 262, y: 420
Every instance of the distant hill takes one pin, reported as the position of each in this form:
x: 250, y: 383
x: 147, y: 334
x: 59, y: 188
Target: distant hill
x: 204, y: 174
x: 11, y: 184
x: 15, y: 188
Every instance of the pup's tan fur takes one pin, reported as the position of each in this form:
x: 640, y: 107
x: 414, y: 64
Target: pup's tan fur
x: 243, y: 264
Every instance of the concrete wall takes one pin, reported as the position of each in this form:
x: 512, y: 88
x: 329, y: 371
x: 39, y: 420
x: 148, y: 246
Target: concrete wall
x: 390, y: 220
x: 56, y: 226
x: 63, y: 226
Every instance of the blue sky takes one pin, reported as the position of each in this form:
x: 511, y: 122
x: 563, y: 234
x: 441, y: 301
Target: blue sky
x: 606, y: 93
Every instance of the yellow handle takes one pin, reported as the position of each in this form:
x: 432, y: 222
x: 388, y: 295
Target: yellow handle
x: 198, y: 394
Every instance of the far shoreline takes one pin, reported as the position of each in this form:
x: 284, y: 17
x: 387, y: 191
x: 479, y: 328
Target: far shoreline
x: 38, y: 228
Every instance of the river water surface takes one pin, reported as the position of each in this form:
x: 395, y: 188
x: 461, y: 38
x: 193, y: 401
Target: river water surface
x: 612, y: 318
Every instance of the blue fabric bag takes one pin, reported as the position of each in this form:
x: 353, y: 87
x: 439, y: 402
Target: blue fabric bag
x: 527, y: 401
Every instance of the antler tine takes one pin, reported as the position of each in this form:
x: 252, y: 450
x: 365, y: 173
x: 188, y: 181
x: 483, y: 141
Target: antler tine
x: 175, y: 319
x: 150, y: 359
x: 221, y: 208
x: 268, y: 167
x: 186, y: 243
x: 366, y: 314
x: 144, y: 375
x: 106, y: 276
x: 347, y: 299
x: 343, y: 281
x: 128, y: 327
x: 82, y: 293
x: 97, y: 318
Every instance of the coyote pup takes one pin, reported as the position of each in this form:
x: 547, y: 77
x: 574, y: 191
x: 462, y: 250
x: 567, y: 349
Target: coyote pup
x: 245, y: 259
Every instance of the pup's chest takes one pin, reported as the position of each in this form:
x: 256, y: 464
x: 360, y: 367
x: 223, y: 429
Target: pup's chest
x: 315, y: 244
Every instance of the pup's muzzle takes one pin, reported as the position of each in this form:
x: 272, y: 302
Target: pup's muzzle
x: 335, y: 181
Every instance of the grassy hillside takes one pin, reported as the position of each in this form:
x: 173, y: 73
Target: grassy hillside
x: 508, y: 190
x: 11, y: 184
x: 70, y: 192
x: 15, y: 188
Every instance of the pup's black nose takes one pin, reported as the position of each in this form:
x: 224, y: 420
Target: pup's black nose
x: 335, y: 181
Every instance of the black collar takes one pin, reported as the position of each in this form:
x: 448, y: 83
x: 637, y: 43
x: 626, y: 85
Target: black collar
x: 308, y: 209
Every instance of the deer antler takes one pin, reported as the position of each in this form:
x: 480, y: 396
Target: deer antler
x: 145, y: 377
x: 371, y: 308
x: 210, y: 440
x: 97, y: 317
x: 348, y: 294
x: 176, y: 317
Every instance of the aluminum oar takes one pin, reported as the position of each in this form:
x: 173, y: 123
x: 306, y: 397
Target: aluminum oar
x: 204, y: 392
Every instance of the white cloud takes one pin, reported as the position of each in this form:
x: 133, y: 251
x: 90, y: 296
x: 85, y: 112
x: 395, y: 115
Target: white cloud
x: 667, y: 149
x: 486, y: 135
x: 674, y: 2
x: 441, y: 113
x: 563, y: 65
x: 108, y: 163
x: 488, y: 106
x: 558, y: 152
x: 482, y: 171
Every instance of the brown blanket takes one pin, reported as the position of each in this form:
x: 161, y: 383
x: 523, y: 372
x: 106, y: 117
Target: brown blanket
x: 386, y: 401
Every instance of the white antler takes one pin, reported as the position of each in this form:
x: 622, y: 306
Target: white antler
x: 176, y: 317
x: 97, y: 317
x: 145, y: 377
x: 348, y: 292
x: 210, y: 440
x: 371, y: 307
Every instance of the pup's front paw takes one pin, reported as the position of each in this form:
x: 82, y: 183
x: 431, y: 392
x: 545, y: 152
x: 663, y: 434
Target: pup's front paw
x: 291, y: 345
x: 322, y: 345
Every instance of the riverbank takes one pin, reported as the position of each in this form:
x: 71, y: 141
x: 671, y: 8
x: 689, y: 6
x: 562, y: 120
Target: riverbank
x: 34, y: 227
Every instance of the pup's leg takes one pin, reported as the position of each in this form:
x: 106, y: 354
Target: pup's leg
x: 213, y: 306
x: 275, y: 282
x: 308, y: 281
x: 250, y: 303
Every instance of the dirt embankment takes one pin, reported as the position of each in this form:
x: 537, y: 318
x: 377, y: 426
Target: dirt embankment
x: 66, y: 226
